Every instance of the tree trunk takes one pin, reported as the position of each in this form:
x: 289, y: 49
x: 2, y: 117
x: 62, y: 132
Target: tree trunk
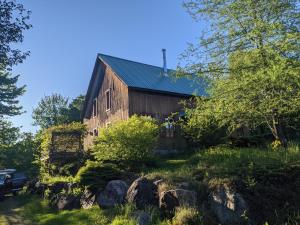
x: 278, y: 133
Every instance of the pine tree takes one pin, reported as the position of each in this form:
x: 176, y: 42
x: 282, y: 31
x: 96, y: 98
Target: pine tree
x: 9, y: 92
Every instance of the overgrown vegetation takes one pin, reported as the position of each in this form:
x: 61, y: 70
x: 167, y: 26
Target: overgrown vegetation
x: 127, y: 141
x: 17, y: 149
x: 249, y: 59
x: 267, y: 178
x: 57, y: 141
x: 95, y: 175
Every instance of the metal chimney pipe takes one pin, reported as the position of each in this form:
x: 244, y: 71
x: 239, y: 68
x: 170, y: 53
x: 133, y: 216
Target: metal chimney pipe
x: 165, y: 70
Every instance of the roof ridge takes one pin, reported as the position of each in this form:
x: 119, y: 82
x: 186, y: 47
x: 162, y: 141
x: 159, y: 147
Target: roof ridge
x: 99, y: 54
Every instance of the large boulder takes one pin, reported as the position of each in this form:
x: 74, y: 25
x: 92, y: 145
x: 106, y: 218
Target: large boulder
x: 88, y: 199
x: 228, y: 205
x: 68, y: 202
x: 171, y: 199
x: 142, y: 192
x: 113, y: 194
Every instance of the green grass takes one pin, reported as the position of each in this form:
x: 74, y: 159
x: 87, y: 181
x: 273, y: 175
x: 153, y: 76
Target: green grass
x: 38, y: 212
x: 267, y: 179
x: 223, y: 162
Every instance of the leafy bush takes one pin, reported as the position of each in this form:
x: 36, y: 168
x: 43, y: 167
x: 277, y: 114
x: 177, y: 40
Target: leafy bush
x: 67, y: 138
x: 95, y: 175
x: 200, y: 126
x: 131, y: 140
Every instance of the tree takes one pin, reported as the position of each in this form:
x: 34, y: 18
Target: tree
x: 9, y: 93
x: 50, y: 111
x: 74, y: 109
x: 250, y: 61
x: 13, y: 22
x: 8, y: 134
x: 54, y: 110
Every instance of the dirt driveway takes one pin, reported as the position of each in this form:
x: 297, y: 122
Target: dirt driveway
x: 10, y: 212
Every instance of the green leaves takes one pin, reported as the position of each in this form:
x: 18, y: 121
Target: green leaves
x: 54, y: 110
x: 131, y: 140
x: 251, y: 58
x: 14, y: 21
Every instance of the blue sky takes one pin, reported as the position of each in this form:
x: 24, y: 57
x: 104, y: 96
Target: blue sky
x: 67, y: 35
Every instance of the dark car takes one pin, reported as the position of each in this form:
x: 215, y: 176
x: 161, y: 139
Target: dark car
x: 11, y: 181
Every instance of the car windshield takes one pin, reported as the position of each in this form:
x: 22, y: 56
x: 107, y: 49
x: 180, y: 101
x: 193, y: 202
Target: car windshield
x: 2, y: 177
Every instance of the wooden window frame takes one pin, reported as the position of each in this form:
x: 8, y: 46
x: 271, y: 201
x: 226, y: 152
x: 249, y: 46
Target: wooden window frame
x: 95, y: 132
x: 95, y: 107
x: 108, y: 99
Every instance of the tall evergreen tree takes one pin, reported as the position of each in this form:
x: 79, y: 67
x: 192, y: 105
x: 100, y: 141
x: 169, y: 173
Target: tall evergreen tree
x: 13, y: 22
x: 9, y: 92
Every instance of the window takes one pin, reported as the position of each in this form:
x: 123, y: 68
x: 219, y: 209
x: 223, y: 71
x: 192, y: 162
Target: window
x: 169, y: 124
x: 108, y: 99
x: 95, y: 132
x: 95, y: 110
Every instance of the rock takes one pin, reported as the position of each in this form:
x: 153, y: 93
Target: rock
x: 158, y: 182
x: 68, y: 202
x: 171, y: 199
x: 168, y: 202
x: 142, y: 217
x: 88, y: 199
x: 228, y: 205
x: 183, y: 185
x: 113, y: 194
x: 142, y: 192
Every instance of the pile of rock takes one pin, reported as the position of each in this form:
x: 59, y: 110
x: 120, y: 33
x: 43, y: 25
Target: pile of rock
x: 227, y: 205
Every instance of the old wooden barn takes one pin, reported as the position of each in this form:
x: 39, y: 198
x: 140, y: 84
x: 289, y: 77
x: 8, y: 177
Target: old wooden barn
x: 120, y: 88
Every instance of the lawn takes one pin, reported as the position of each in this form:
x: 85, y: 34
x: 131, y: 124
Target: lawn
x: 36, y: 211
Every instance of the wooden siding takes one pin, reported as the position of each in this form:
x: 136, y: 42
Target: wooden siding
x: 119, y: 104
x: 157, y: 105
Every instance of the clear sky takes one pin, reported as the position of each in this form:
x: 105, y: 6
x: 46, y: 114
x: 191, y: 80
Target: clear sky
x: 67, y: 35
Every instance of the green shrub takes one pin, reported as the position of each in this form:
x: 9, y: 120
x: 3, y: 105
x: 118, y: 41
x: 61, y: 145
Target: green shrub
x: 95, y: 175
x: 68, y: 137
x: 131, y: 140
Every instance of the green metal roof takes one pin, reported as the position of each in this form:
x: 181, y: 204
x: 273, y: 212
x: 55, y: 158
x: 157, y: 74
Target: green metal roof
x: 142, y: 76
